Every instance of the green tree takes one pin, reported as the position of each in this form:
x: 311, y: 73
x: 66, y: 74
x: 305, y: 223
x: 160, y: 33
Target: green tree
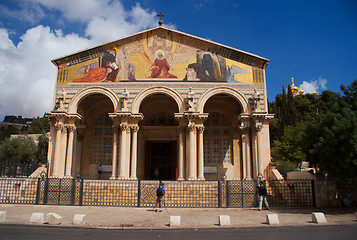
x: 39, y: 126
x: 42, y: 148
x: 291, y: 116
x: 330, y: 140
x: 21, y: 148
x: 289, y: 148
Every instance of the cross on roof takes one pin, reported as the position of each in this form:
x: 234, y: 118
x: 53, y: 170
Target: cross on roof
x: 160, y: 21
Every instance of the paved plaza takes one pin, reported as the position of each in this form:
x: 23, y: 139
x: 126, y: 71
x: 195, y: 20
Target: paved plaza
x: 191, y: 218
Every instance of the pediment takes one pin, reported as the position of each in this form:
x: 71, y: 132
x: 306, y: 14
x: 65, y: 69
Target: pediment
x: 161, y: 53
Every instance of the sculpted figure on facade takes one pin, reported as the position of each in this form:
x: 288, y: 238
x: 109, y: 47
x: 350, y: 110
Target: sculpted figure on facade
x: 125, y: 98
x: 190, y: 100
x: 62, y: 99
x: 256, y: 100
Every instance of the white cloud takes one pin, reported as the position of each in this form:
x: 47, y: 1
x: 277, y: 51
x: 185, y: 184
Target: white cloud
x: 318, y: 85
x: 27, y: 76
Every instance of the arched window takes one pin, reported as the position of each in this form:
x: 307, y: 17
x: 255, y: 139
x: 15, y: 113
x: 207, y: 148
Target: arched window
x: 102, y: 140
x: 217, y: 139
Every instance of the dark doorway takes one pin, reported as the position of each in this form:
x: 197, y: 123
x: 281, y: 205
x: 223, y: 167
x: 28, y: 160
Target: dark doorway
x: 160, y: 160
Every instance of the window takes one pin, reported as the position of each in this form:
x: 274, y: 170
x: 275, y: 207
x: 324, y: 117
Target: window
x: 103, y: 139
x: 217, y: 139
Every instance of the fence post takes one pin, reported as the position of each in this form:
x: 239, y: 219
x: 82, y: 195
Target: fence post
x: 227, y: 193
x: 45, y: 191
x: 313, y: 193
x: 139, y: 193
x: 38, y: 191
x: 73, y: 191
x: 219, y: 194
x: 81, y: 193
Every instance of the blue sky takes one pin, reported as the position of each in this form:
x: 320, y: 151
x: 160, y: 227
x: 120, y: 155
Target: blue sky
x: 314, y: 41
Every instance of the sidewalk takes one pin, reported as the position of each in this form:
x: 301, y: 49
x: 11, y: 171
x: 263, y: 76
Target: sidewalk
x: 191, y: 218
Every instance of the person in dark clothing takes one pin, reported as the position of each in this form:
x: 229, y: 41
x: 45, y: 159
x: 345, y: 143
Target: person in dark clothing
x: 160, y: 196
x: 262, y: 194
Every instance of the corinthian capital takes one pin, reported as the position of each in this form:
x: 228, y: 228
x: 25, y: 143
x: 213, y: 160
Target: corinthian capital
x: 59, y: 126
x: 123, y: 127
x: 135, y: 128
x: 200, y: 129
x: 71, y: 127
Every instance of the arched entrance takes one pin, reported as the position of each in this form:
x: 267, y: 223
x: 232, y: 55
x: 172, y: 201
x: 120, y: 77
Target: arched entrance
x: 158, y: 138
x: 95, y: 137
x: 222, y: 137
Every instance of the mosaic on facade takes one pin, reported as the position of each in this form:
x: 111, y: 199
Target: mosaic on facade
x: 155, y: 55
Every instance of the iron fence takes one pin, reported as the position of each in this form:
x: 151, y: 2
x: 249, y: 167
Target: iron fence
x: 142, y: 193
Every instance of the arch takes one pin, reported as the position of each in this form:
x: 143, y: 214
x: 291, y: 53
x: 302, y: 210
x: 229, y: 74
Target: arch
x: 73, y: 105
x: 227, y: 91
x: 155, y: 90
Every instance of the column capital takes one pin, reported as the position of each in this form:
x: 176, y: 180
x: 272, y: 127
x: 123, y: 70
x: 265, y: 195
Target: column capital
x: 200, y: 129
x: 135, y: 128
x: 71, y: 127
x: 123, y: 127
x: 59, y: 126
x: 191, y: 127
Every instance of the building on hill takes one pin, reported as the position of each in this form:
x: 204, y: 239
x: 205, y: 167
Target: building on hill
x: 160, y: 104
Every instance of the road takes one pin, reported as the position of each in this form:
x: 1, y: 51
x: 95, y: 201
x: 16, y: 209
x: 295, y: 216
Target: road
x: 344, y: 232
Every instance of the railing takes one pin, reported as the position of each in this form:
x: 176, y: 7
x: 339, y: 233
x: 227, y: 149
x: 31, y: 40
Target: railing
x: 142, y: 193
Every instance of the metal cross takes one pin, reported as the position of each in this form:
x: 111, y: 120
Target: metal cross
x: 160, y: 15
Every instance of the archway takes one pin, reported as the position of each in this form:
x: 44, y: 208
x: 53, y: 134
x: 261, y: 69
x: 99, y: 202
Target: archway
x: 95, y: 136
x: 157, y: 139
x: 221, y: 136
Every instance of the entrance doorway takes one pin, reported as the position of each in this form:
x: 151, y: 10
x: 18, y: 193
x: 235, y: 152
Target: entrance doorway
x: 160, y: 160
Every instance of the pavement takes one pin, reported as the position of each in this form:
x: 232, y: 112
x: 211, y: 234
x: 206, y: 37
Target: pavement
x: 191, y: 218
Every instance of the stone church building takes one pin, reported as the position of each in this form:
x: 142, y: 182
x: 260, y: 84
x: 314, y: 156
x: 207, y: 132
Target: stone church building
x: 160, y: 104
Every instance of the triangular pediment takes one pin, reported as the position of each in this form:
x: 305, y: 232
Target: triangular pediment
x: 161, y: 53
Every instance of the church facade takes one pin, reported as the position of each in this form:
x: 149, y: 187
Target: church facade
x: 160, y: 104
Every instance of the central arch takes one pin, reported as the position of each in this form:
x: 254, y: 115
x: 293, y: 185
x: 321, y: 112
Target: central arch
x: 226, y: 91
x: 157, y: 90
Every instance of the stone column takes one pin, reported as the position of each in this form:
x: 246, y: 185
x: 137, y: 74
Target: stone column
x: 244, y: 155
x: 134, y: 151
x: 247, y: 156
x: 115, y: 152
x: 200, y: 172
x: 122, y: 160
x: 69, y: 159
x: 259, y: 157
x: 56, y: 163
x: 63, y: 150
x: 180, y: 154
x: 192, y: 158
x: 127, y: 152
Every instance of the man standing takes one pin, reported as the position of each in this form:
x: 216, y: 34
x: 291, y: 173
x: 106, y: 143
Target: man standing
x: 160, y: 193
x: 262, y: 192
x: 100, y: 169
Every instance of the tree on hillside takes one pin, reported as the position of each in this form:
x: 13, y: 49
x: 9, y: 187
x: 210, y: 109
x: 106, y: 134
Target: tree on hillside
x: 39, y: 126
x: 21, y: 148
x: 330, y: 140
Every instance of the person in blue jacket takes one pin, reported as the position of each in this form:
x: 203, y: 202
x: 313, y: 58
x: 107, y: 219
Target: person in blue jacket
x: 160, y: 197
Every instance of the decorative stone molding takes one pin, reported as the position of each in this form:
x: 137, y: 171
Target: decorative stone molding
x: 240, y: 97
x: 155, y: 90
x: 73, y: 105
